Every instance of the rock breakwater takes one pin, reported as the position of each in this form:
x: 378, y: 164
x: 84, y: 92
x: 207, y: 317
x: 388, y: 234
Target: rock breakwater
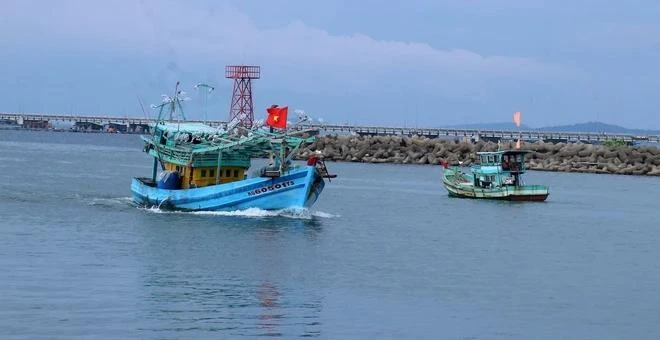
x: 572, y: 157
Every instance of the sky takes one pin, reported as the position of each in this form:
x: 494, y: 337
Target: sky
x: 425, y: 63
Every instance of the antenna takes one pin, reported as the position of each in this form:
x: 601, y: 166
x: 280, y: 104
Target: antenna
x: 204, y: 91
x: 146, y: 116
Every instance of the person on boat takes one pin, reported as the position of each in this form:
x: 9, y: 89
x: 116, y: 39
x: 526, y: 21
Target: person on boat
x: 505, y: 163
x: 514, y: 166
x: 314, y: 158
x: 444, y: 164
x: 317, y: 159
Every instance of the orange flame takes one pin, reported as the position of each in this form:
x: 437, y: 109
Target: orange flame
x: 516, y: 118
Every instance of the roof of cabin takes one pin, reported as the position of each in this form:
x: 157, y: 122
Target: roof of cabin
x: 254, y: 143
x: 187, y: 127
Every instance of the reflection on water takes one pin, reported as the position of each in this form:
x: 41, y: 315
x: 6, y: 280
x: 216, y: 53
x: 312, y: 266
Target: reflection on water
x: 270, y: 313
x: 276, y: 316
x: 196, y: 283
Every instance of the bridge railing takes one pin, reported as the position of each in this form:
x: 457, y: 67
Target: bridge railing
x: 373, y: 130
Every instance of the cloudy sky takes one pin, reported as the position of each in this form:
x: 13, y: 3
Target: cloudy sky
x: 414, y: 62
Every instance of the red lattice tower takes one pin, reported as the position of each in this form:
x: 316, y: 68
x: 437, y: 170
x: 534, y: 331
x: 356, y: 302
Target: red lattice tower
x: 242, y: 105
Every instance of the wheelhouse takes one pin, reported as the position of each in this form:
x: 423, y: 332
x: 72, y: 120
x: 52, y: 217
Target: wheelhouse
x: 511, y: 160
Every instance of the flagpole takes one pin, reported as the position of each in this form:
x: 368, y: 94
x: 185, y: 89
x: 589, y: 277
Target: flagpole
x: 516, y: 120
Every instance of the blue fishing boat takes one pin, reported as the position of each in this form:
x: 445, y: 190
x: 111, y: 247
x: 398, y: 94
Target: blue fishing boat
x: 497, y: 176
x: 197, y: 167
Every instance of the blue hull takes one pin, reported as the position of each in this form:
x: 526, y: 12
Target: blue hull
x: 297, y: 188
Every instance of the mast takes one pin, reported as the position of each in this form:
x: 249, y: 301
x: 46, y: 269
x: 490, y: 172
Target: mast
x: 156, y: 145
x: 174, y: 99
x: 172, y: 102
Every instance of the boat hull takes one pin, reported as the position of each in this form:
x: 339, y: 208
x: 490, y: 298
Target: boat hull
x: 509, y: 197
x: 297, y: 188
x: 466, y: 189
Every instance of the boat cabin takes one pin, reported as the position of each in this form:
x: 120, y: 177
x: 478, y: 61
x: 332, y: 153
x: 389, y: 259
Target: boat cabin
x: 499, y: 168
x: 510, y: 160
x: 173, y: 140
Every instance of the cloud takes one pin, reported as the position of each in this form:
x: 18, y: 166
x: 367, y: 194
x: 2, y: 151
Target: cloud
x: 143, y: 47
x: 223, y: 32
x: 303, y: 43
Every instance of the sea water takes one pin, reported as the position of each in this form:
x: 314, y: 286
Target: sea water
x: 384, y: 253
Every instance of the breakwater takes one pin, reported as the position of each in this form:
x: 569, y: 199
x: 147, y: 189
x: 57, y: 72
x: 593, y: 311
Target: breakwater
x: 572, y: 157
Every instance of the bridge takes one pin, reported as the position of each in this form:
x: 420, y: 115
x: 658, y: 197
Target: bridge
x: 136, y: 125
x: 82, y: 123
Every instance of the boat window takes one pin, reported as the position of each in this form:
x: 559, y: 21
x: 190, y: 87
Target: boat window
x: 212, y: 173
x: 490, y: 159
x: 203, y: 172
x: 227, y: 173
x: 178, y: 168
x: 235, y: 172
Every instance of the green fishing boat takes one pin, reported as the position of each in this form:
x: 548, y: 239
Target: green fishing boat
x: 497, y: 176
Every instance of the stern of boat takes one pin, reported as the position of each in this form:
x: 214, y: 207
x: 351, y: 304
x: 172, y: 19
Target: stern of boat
x: 536, y: 193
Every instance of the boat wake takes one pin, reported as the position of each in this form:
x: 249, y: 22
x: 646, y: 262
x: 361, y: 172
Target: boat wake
x: 293, y: 213
x: 111, y: 202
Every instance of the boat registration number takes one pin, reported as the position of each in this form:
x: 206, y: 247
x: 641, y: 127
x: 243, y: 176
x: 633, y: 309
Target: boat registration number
x: 262, y: 190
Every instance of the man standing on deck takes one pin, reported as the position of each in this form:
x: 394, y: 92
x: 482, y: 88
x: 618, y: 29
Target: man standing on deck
x: 314, y: 158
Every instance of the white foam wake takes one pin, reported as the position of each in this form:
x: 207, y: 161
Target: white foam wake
x: 295, y: 213
x: 116, y: 201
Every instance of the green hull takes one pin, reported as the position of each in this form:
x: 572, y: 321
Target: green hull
x: 459, y: 184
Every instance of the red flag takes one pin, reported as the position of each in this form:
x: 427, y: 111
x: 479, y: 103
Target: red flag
x: 277, y: 116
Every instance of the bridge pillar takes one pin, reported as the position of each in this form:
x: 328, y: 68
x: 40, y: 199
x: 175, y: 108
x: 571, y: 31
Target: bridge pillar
x: 114, y: 127
x: 138, y: 128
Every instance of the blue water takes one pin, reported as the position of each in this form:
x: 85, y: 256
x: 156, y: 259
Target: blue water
x: 383, y: 254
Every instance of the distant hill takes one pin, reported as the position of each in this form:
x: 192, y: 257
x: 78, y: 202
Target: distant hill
x: 580, y: 127
x: 599, y: 127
